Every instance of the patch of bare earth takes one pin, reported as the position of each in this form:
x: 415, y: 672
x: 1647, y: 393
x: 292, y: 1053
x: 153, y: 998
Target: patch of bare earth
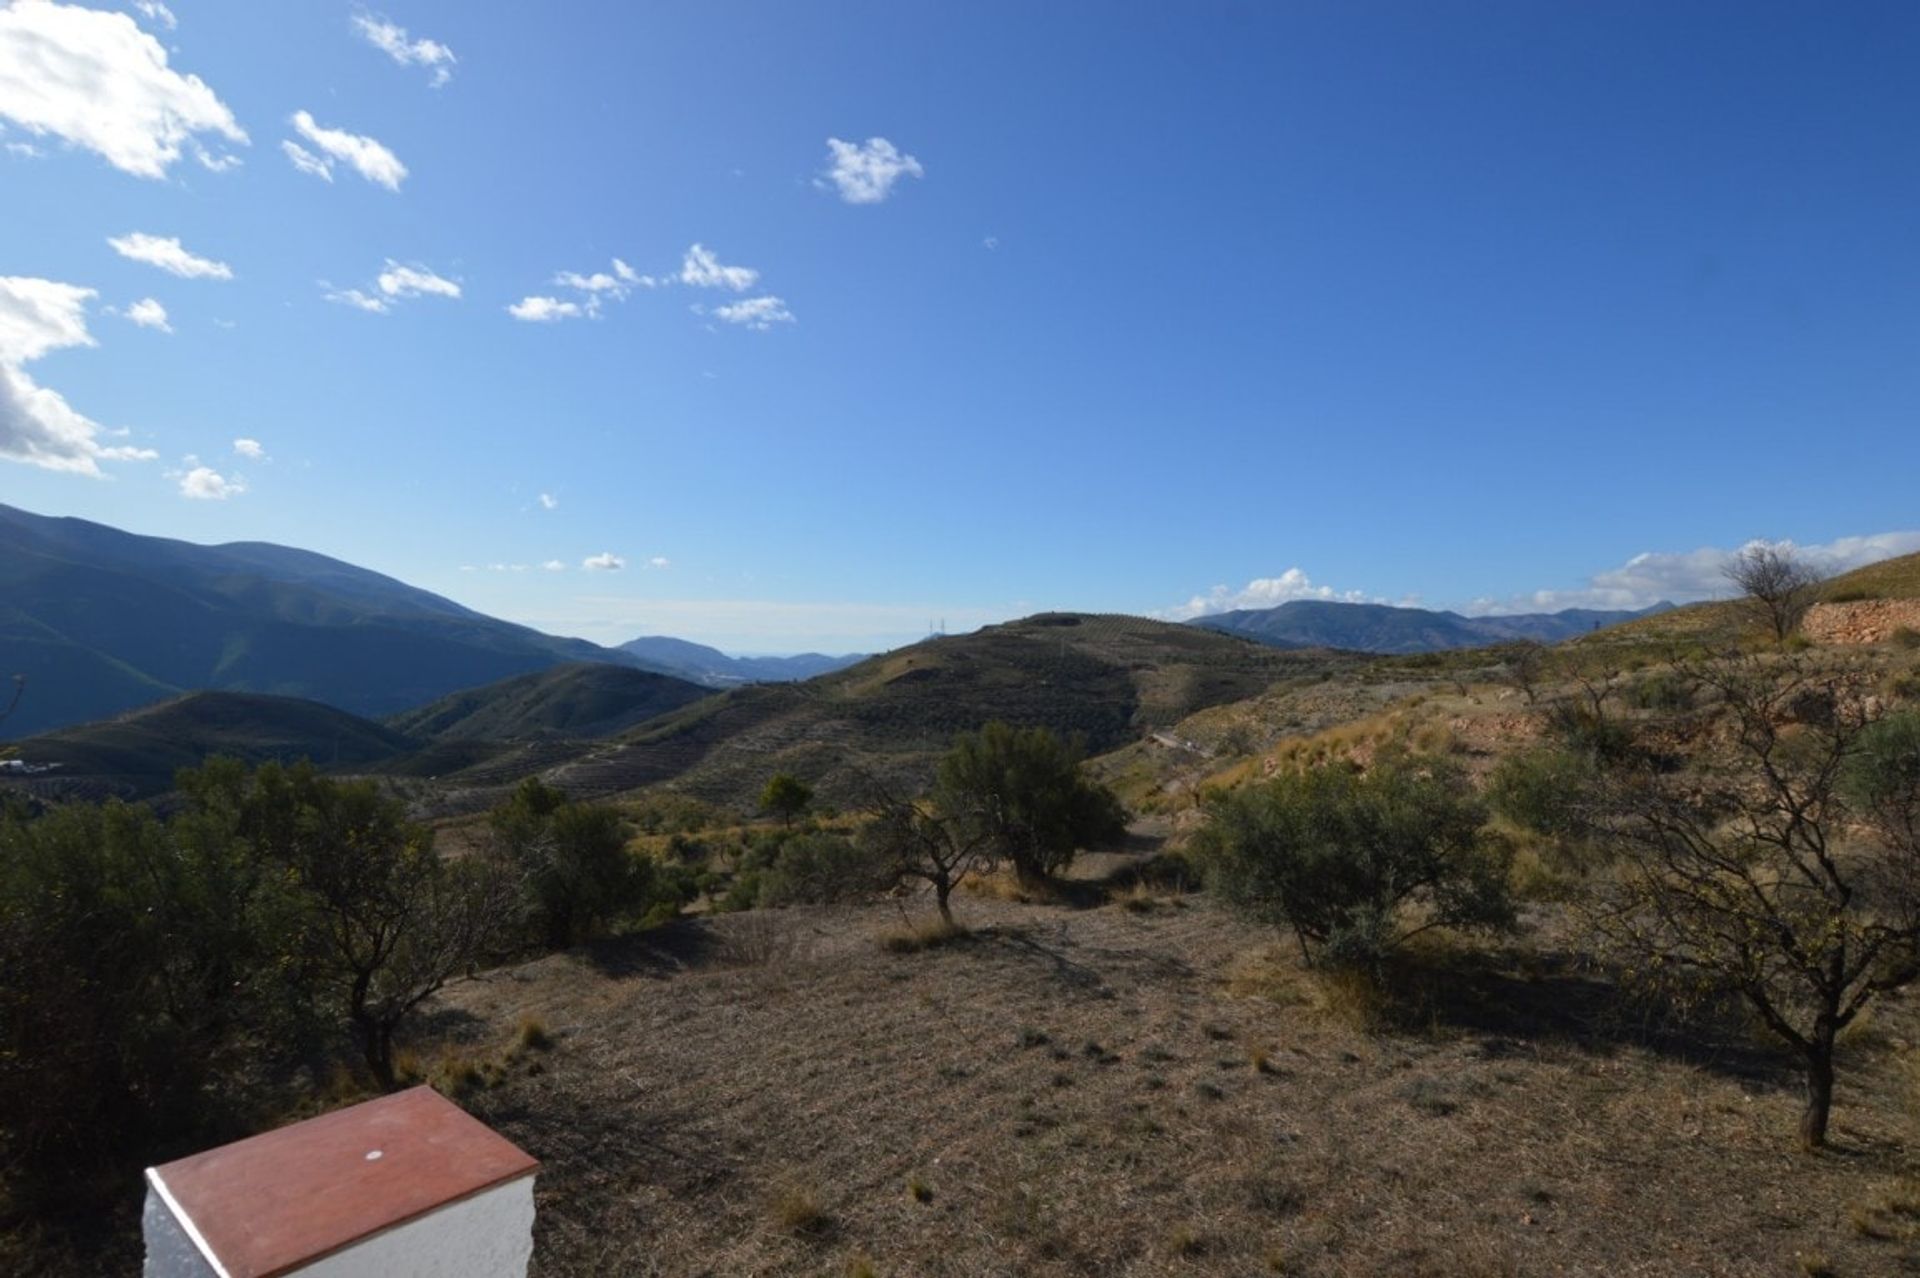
x: 1141, y: 1090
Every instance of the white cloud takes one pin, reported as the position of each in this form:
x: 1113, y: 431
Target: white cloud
x: 364, y: 155
x: 414, y: 281
x: 702, y: 269
x: 553, y: 565
x: 548, y: 501
x: 605, y: 561
x: 391, y: 38
x: 167, y: 254
x: 1692, y: 575
x: 1261, y: 592
x: 25, y: 150
x: 759, y: 313
x: 218, y: 163
x: 397, y: 282
x: 251, y: 449
x: 156, y: 13
x: 96, y: 80
x: 306, y: 161
x: 148, y: 313
x: 359, y: 300
x: 544, y: 310
x: 865, y: 173
x: 37, y: 425
x: 659, y: 561
x: 204, y: 483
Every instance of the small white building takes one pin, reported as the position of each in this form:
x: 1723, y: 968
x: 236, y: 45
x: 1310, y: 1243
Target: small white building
x: 407, y: 1186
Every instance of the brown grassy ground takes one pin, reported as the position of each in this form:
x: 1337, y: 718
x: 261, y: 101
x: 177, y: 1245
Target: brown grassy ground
x: 1120, y: 1090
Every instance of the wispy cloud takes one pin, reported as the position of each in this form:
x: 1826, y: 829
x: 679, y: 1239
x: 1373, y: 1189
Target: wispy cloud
x: 204, y: 483
x: 365, y: 155
x: 1689, y: 576
x: 402, y: 281
x: 95, y: 80
x: 594, y: 290
x: 397, y: 282
x: 702, y: 269
x: 760, y: 313
x: 37, y: 425
x: 167, y: 254
x: 545, y: 310
x: 865, y: 172
x: 605, y: 561
x: 148, y: 313
x: 305, y: 161
x: 549, y: 502
x: 251, y: 449
x: 156, y: 13
x: 392, y: 39
x: 1261, y: 592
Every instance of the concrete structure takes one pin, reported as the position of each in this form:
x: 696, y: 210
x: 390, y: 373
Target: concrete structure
x: 407, y: 1186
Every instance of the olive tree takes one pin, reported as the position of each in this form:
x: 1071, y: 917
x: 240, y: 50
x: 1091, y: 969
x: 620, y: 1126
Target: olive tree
x: 1354, y: 862
x: 1023, y: 791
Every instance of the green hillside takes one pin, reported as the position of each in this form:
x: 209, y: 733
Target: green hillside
x: 580, y: 699
x: 138, y: 753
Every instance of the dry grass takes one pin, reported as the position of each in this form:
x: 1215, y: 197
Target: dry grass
x: 1099, y: 1091
x: 926, y: 934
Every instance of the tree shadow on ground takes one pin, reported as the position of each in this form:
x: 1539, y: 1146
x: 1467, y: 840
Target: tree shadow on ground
x: 659, y: 953
x: 1521, y: 1000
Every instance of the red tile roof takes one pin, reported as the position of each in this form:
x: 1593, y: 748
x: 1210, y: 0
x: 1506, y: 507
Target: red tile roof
x: 272, y: 1203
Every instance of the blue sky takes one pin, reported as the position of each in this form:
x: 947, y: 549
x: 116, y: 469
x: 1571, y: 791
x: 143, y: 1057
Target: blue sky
x: 1140, y: 307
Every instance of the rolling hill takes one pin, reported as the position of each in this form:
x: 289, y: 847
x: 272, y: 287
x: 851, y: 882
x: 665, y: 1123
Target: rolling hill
x: 1110, y: 679
x: 1381, y: 628
x: 100, y: 621
x: 579, y: 699
x: 137, y: 754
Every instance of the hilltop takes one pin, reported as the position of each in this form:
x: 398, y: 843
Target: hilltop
x: 579, y: 699
x: 1109, y: 679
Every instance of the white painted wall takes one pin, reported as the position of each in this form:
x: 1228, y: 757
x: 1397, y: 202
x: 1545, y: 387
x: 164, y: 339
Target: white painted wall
x: 170, y: 1253
x: 487, y: 1236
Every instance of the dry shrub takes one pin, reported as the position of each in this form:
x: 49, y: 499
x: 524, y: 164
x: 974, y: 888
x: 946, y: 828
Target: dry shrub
x: 533, y: 1035
x: 927, y: 934
x: 760, y: 938
x: 796, y: 1209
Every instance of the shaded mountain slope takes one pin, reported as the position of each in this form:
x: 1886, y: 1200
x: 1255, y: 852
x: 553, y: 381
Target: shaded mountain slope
x: 1381, y: 628
x: 702, y: 664
x: 101, y: 620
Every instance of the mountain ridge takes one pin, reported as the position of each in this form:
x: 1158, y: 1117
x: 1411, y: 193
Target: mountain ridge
x: 1393, y: 630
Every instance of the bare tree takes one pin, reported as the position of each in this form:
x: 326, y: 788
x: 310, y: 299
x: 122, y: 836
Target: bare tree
x: 921, y: 840
x: 1525, y: 667
x: 1777, y: 584
x: 1734, y: 875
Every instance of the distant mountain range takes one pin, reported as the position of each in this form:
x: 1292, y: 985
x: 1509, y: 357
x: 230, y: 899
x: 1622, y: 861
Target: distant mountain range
x: 102, y: 621
x: 715, y: 668
x: 1358, y: 627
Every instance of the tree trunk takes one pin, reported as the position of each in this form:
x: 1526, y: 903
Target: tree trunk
x: 1813, y: 1123
x: 941, y: 889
